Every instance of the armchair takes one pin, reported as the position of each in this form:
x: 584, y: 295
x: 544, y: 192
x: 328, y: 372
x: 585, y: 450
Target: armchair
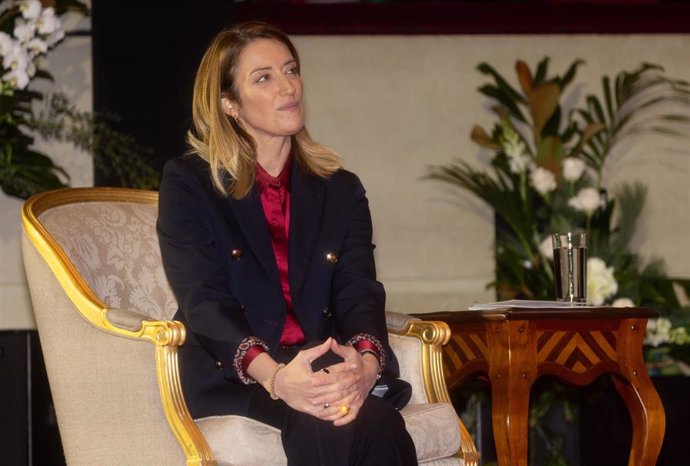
x: 103, y: 309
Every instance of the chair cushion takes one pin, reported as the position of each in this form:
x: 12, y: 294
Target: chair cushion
x: 454, y: 461
x: 240, y: 441
x: 435, y: 429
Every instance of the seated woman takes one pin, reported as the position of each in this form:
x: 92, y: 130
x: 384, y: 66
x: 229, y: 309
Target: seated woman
x: 266, y: 242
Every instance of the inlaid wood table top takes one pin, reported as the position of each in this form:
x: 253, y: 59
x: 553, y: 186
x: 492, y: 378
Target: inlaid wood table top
x: 514, y: 346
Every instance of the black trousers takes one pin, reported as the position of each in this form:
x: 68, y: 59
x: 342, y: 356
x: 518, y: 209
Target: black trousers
x: 377, y: 437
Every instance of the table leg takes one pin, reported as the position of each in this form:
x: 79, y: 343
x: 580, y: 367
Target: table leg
x: 512, y: 371
x: 510, y: 421
x: 647, y: 416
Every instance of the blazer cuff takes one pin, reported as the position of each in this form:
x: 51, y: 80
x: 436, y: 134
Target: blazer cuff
x: 248, y: 349
x: 365, y: 343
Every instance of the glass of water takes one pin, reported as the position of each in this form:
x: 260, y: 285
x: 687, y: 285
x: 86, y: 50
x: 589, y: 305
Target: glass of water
x: 570, y: 266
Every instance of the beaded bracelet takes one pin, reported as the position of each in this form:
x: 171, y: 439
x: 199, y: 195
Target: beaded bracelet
x: 272, y: 381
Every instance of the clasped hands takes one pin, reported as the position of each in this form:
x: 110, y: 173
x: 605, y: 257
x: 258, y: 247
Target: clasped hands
x: 335, y: 393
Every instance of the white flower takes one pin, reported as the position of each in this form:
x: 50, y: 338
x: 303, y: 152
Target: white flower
x: 24, y: 31
x: 30, y: 9
x: 573, y: 168
x: 587, y: 200
x: 679, y: 336
x: 6, y: 43
x: 658, y: 331
x: 37, y: 46
x: 514, y: 148
x: 601, y: 283
x: 519, y: 163
x: 17, y: 78
x: 543, y: 180
x: 623, y: 302
x: 16, y: 58
x: 55, y: 37
x: 48, y: 22
x: 546, y: 248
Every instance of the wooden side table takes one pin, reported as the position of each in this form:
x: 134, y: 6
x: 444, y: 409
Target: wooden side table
x: 515, y: 346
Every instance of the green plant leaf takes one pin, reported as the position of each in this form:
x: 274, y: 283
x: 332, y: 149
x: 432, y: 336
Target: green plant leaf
x: 570, y: 74
x: 512, y: 94
x: 542, y: 68
x: 502, y: 98
x: 550, y: 154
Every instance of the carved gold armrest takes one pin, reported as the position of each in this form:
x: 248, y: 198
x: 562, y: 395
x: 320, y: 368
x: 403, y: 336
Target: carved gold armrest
x: 166, y: 336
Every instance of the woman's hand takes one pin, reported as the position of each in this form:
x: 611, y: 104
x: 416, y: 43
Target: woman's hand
x: 295, y: 384
x: 344, y: 409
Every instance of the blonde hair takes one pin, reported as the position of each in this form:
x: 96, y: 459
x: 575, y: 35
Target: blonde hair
x: 217, y: 138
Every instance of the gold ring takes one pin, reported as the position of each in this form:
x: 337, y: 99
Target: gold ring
x: 345, y: 409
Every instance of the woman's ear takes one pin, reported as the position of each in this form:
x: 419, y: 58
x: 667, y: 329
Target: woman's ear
x: 230, y: 107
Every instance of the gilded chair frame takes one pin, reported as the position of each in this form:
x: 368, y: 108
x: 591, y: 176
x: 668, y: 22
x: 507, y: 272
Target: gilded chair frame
x: 167, y: 335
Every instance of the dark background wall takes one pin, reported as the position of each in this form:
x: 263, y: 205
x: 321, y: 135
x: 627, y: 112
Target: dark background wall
x: 145, y: 55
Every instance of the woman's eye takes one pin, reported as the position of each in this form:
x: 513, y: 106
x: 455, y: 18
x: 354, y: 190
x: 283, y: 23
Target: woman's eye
x: 262, y: 78
x: 293, y: 70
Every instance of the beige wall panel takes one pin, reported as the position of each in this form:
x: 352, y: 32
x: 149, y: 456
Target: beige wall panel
x: 391, y: 105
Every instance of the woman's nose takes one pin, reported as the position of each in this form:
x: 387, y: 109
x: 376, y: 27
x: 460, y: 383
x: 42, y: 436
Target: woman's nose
x: 286, y: 86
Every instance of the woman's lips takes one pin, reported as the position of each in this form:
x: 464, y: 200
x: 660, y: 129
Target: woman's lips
x: 290, y: 106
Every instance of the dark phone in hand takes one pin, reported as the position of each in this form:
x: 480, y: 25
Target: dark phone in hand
x: 326, y: 360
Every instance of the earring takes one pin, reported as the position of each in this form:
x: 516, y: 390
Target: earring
x: 236, y: 116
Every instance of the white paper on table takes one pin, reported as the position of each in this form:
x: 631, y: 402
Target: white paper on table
x: 533, y: 304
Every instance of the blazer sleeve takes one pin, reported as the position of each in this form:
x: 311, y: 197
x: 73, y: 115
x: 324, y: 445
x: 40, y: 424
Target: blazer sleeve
x: 194, y: 265
x: 358, y: 299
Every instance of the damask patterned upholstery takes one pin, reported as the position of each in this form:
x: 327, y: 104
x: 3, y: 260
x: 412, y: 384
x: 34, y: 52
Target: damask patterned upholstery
x: 113, y: 247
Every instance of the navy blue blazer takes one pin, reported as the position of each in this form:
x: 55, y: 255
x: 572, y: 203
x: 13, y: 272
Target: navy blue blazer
x: 219, y: 260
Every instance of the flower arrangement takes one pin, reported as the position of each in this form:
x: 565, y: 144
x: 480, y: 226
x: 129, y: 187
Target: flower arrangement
x: 28, y: 31
x: 35, y: 32
x: 546, y: 175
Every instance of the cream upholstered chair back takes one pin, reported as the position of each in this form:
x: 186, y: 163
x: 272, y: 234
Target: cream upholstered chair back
x: 103, y: 308
x: 94, y: 271
x: 114, y: 247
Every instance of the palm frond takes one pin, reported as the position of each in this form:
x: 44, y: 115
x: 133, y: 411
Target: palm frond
x: 502, y: 84
x: 500, y: 194
x: 637, y: 102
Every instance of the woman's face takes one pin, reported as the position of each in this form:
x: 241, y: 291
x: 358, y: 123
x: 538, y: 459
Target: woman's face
x: 270, y: 91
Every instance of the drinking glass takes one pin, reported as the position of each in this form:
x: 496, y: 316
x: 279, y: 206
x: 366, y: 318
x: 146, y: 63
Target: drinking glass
x: 570, y: 266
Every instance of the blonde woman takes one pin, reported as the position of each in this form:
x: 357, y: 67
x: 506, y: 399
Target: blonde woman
x: 266, y: 242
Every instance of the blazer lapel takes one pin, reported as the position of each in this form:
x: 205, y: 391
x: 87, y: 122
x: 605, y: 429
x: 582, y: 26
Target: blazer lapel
x: 307, y: 197
x: 250, y: 217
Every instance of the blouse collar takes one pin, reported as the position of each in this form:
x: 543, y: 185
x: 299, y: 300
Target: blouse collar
x: 264, y: 179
